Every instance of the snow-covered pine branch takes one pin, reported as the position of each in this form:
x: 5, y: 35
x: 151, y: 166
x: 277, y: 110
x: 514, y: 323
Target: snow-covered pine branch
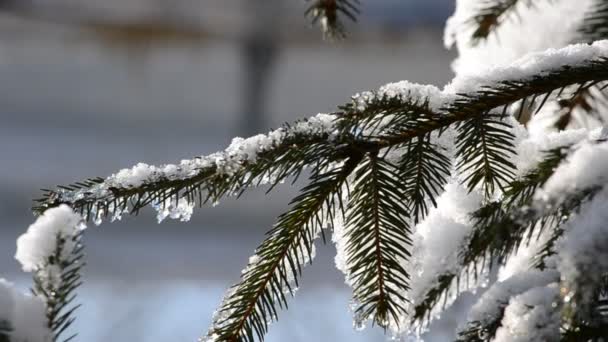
x: 51, y: 249
x: 428, y: 192
x: 403, y: 110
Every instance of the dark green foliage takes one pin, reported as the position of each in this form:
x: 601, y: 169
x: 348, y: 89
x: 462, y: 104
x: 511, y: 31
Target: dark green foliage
x: 424, y: 170
x: 378, y: 237
x: 252, y: 304
x: 329, y: 14
x: 499, y: 230
x: 59, y: 298
x: 484, y: 149
x: 385, y: 115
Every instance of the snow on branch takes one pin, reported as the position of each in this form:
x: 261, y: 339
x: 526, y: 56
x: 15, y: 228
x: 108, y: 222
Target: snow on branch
x: 40, y: 240
x: 253, y: 161
x: 51, y: 249
x: 400, y: 111
x: 582, y: 256
x: 484, y: 318
x: 527, y: 26
x: 494, y: 231
x: 531, y: 316
x: 584, y: 169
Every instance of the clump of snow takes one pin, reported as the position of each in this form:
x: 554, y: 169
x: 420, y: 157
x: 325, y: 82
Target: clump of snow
x: 532, y: 316
x: 526, y: 66
x: 41, y: 238
x: 229, y: 161
x: 438, y: 238
x: 525, y: 256
x: 489, y: 305
x: 404, y: 90
x: 26, y: 315
x: 531, y: 150
x: 543, y: 25
x: 584, y: 168
x: 182, y: 210
x: 582, y: 257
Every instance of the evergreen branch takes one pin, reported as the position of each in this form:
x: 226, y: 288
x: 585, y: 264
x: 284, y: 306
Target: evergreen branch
x: 329, y: 13
x: 201, y: 180
x: 425, y: 169
x: 433, y: 296
x: 498, y: 229
x: 377, y: 235
x: 294, y: 147
x: 484, y: 146
x: 595, y: 22
x: 490, y: 15
x: 56, y: 283
x: 501, y: 94
x: 539, y: 85
x: 252, y: 304
x: 373, y: 114
x: 496, y: 233
x: 486, y: 315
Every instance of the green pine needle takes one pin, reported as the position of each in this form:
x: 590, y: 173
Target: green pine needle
x: 377, y: 239
x: 485, y: 149
x: 425, y: 170
x: 246, y: 312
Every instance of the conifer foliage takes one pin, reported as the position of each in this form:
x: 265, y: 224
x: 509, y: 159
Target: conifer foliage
x: 528, y: 220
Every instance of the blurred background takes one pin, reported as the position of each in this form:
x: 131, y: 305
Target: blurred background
x: 90, y: 87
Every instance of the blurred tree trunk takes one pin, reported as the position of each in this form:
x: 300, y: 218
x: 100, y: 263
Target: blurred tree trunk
x: 259, y: 54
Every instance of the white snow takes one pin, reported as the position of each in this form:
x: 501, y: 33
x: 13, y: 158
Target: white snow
x: 404, y: 90
x: 584, y: 168
x: 439, y: 236
x: 229, y: 161
x: 540, y: 27
x: 532, y: 316
x: 25, y: 314
x: 40, y: 240
x: 523, y: 259
x: 526, y: 66
x: 488, y: 306
x: 182, y: 210
x: 582, y: 256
